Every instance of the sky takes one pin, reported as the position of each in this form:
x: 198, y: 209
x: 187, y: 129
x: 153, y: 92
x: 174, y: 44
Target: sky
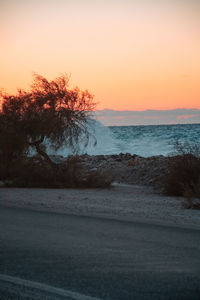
x: 131, y: 55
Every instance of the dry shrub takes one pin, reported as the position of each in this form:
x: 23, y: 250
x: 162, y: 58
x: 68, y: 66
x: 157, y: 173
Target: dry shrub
x: 98, y: 179
x: 183, y: 175
x: 34, y: 172
x: 13, y: 170
x: 192, y: 197
x: 38, y: 173
x: 2, y: 169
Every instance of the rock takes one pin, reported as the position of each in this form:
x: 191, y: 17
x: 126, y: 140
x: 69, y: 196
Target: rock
x: 130, y: 163
x: 118, y: 159
x: 126, y: 168
x: 93, y: 170
x: 137, y: 161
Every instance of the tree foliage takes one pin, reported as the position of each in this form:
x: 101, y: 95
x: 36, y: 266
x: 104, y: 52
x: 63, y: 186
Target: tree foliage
x: 49, y: 111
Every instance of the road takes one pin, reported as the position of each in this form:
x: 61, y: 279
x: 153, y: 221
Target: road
x: 102, y: 258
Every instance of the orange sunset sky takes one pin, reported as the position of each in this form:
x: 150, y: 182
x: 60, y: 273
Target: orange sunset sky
x: 132, y: 55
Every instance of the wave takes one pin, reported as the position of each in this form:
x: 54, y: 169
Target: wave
x: 141, y: 140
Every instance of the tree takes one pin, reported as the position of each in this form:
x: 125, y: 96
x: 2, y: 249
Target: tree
x: 49, y: 111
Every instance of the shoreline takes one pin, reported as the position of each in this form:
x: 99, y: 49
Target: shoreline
x: 123, y: 202
x: 125, y: 168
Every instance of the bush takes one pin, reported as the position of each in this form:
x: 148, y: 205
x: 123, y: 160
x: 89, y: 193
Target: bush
x: 34, y: 172
x: 192, y: 197
x: 98, y: 179
x: 183, y: 173
x: 182, y: 177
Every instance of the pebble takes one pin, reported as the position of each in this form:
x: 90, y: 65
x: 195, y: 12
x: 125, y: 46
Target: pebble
x: 126, y: 168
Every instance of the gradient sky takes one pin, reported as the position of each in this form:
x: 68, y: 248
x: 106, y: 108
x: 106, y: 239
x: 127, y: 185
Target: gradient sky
x: 132, y: 55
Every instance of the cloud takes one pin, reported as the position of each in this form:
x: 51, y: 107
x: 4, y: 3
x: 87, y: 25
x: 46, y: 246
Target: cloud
x: 186, y: 117
x: 148, y: 117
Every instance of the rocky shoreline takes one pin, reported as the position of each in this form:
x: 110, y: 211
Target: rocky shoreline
x: 124, y: 168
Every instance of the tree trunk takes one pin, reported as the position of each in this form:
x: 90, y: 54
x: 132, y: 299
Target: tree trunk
x: 41, y: 152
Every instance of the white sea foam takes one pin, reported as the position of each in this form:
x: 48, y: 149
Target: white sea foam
x: 141, y: 140
x: 106, y: 142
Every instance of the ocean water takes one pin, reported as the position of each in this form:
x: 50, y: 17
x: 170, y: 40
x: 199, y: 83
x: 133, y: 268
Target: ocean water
x: 154, y: 139
x: 141, y: 140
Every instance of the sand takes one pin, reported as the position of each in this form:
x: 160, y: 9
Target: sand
x: 124, y: 202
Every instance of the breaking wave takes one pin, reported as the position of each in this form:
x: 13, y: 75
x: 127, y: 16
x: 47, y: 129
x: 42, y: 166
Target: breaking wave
x: 141, y: 140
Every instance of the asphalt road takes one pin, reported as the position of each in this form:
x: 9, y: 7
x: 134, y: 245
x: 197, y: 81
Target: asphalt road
x: 102, y: 258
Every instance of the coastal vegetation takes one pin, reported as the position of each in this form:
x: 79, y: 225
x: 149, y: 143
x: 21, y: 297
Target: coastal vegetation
x: 52, y: 114
x: 183, y: 174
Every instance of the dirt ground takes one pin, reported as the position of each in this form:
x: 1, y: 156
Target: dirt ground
x: 129, y: 202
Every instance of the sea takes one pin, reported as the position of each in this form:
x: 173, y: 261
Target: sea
x: 146, y: 141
